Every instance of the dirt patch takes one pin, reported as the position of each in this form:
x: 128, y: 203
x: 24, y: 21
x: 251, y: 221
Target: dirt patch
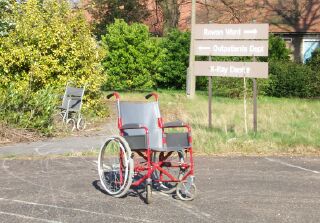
x: 12, y: 135
x: 15, y: 135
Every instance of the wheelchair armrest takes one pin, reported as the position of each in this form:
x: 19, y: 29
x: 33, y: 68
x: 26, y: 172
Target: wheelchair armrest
x: 174, y: 124
x: 133, y: 126
x: 177, y: 124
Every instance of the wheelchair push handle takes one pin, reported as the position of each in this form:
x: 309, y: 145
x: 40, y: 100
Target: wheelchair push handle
x: 152, y: 94
x: 116, y: 94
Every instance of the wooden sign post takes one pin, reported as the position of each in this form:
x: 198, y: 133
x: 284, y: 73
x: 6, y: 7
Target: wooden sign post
x: 229, y: 40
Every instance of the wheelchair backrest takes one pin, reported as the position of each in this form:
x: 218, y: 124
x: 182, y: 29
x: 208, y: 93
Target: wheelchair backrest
x: 73, y: 96
x: 145, y: 113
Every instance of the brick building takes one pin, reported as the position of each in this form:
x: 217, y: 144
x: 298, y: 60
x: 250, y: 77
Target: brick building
x: 297, y: 22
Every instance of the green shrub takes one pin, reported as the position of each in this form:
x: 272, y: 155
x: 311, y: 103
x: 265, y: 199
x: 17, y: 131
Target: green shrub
x: 50, y: 45
x: 289, y: 79
x: 174, y: 67
x: 5, y: 21
x: 133, y: 58
x: 314, y: 61
x: 314, y: 64
x: 278, y: 49
x: 32, y: 110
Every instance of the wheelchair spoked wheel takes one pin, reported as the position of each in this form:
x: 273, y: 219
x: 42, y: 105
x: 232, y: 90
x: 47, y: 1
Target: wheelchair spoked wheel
x: 70, y: 124
x: 171, y: 166
x: 187, y: 190
x: 81, y: 124
x: 115, y: 166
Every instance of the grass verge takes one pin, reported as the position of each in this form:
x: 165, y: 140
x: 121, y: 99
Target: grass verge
x: 285, y: 126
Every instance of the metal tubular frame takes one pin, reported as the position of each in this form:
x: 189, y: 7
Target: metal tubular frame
x: 156, y: 165
x: 66, y: 112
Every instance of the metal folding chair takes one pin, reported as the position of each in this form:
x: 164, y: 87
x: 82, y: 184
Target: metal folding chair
x: 70, y: 109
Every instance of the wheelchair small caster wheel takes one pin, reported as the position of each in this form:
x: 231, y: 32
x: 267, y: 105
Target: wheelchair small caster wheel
x: 149, y: 194
x: 186, y: 190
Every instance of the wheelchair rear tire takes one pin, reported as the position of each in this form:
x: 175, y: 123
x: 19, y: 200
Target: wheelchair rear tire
x: 115, y: 166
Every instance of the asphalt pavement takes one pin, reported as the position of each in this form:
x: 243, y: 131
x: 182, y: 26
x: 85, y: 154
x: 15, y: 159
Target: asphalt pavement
x: 61, y: 145
x: 230, y: 189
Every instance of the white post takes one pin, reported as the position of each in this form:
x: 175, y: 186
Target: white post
x: 192, y: 82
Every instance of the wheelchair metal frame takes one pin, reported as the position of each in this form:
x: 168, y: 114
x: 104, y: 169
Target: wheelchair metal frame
x: 147, y: 167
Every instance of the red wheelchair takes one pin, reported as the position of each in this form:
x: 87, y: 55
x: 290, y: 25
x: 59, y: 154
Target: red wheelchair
x: 148, y: 153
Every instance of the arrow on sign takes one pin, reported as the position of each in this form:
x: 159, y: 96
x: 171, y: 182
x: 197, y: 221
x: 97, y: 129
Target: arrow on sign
x: 250, y: 31
x: 204, y: 48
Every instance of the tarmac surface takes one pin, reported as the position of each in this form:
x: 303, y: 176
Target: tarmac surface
x: 70, y: 144
x: 230, y: 189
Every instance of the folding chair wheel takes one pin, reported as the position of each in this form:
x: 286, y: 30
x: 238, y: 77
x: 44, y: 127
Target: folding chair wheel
x: 81, y: 124
x: 71, y: 124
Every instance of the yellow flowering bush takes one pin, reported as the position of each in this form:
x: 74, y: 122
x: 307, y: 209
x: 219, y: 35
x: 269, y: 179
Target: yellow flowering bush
x: 50, y: 45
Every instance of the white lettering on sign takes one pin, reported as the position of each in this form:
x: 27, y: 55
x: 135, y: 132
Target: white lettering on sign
x: 219, y: 69
x: 231, y: 31
x: 231, y: 48
x: 234, y: 49
x: 221, y: 32
x: 216, y: 32
x: 254, y: 49
x: 232, y: 69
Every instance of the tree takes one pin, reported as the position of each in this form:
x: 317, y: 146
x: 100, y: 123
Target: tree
x: 104, y: 12
x: 50, y: 45
x: 277, y: 49
x: 133, y: 58
x: 5, y: 22
x: 224, y: 11
x: 171, y: 13
x: 174, y: 67
x: 165, y: 14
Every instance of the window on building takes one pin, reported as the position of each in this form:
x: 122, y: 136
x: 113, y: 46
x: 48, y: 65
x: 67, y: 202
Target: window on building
x: 309, y: 45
